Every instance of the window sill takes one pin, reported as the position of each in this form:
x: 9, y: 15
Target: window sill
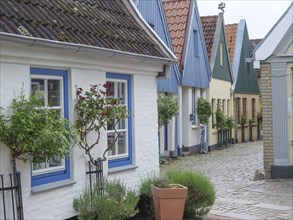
x: 121, y: 169
x: 49, y: 186
x: 195, y: 126
x: 214, y: 131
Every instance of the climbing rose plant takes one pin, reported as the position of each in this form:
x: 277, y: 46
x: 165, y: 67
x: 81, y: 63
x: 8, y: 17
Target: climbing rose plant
x: 95, y: 112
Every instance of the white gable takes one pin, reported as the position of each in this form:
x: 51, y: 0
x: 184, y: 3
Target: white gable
x: 273, y: 38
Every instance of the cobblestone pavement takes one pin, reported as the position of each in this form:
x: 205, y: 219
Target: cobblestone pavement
x: 232, y: 171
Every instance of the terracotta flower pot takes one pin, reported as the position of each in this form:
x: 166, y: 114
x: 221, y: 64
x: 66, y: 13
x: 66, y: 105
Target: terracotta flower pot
x: 169, y: 202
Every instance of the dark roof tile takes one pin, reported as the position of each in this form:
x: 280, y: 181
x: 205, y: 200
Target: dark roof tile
x: 101, y: 23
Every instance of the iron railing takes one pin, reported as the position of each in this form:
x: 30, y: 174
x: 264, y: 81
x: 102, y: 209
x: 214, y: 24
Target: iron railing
x: 11, y: 197
x: 96, y: 175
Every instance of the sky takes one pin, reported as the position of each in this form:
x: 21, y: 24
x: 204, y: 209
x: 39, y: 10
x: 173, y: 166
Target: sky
x: 260, y: 16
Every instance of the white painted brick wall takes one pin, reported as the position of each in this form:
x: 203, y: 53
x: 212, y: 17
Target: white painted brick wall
x: 83, y: 70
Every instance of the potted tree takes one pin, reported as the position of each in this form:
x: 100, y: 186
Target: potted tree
x: 243, y: 122
x: 169, y: 200
x: 168, y: 106
x: 95, y: 111
x: 204, y: 111
x: 34, y: 133
x: 259, y: 122
x: 230, y: 125
x: 220, y: 124
x: 250, y: 122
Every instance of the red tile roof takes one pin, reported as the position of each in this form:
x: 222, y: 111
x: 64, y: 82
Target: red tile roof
x: 209, y: 25
x: 231, y: 32
x: 177, y: 12
x: 99, y: 23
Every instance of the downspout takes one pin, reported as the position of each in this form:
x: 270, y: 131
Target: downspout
x: 236, y: 117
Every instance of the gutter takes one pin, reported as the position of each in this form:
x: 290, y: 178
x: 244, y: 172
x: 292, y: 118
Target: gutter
x: 77, y: 48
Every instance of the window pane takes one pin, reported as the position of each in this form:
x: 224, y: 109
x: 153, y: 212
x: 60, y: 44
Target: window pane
x: 121, y: 124
x: 110, y: 126
x: 122, y: 143
x: 38, y: 166
x: 55, y: 161
x: 110, y: 89
x: 121, y: 92
x: 111, y: 139
x: 38, y: 85
x: 54, y: 97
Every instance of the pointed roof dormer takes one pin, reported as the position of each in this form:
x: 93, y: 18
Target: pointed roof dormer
x: 216, y: 43
x: 240, y: 51
x: 188, y: 42
x: 154, y: 14
x: 279, y: 40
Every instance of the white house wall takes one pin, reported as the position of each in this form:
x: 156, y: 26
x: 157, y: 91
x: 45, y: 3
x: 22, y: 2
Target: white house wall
x: 83, y: 70
x: 190, y: 133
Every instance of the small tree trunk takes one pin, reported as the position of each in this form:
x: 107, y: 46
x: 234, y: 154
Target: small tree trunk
x: 14, y: 170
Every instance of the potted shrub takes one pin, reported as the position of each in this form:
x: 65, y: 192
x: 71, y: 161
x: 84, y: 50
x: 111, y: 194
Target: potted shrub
x: 169, y: 200
x: 201, y: 193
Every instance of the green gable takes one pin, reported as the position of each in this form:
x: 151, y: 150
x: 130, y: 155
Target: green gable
x: 246, y: 79
x: 222, y: 72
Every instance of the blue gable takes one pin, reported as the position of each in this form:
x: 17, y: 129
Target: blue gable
x: 197, y: 70
x: 153, y: 13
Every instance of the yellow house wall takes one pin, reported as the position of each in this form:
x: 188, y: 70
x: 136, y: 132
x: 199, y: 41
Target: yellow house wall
x: 249, y: 98
x: 219, y: 89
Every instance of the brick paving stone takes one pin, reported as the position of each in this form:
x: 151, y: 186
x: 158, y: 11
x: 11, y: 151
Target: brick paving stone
x: 232, y: 170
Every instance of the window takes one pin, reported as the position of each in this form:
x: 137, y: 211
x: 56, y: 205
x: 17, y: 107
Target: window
x: 253, y: 109
x: 244, y: 113
x: 52, y: 85
x: 228, y: 107
x: 247, y: 67
x: 119, y: 86
x: 195, y: 43
x: 213, y: 113
x: 221, y: 54
x: 238, y: 110
x: 224, y: 106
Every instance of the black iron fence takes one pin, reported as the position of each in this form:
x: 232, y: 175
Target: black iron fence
x: 11, y: 197
x: 96, y: 175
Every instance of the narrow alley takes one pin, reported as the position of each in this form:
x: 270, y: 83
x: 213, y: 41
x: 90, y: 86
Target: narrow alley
x: 238, y: 196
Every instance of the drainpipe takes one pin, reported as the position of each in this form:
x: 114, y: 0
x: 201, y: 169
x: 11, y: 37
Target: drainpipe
x: 236, y: 117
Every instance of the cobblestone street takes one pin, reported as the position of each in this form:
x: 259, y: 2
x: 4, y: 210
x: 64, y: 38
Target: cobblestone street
x: 237, y: 196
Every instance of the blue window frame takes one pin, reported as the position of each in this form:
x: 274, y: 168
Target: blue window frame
x: 51, y: 82
x: 119, y: 86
